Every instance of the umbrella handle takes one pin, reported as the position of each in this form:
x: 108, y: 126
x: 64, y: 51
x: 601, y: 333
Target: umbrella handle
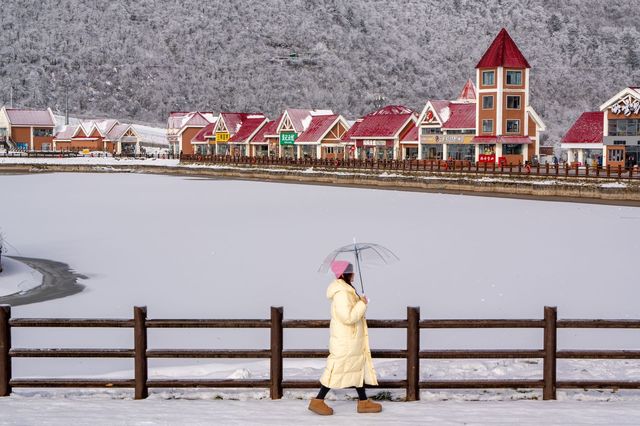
x: 355, y: 247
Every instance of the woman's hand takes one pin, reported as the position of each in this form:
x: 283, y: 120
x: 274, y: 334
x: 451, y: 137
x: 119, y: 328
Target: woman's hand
x: 365, y: 299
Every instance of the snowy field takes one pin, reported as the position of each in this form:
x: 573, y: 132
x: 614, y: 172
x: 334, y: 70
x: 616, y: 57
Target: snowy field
x: 17, y: 277
x: 208, y: 248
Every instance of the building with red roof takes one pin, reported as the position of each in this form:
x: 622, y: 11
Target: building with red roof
x: 264, y: 142
x: 322, y: 138
x: 377, y: 135
x: 234, y: 130
x: 507, y: 127
x: 610, y: 136
x: 27, y: 129
x: 103, y: 135
x: 183, y: 126
x: 293, y: 123
x: 446, y: 128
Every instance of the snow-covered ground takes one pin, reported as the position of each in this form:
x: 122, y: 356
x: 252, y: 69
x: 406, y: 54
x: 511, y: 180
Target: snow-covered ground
x: 210, y: 248
x: 17, y: 277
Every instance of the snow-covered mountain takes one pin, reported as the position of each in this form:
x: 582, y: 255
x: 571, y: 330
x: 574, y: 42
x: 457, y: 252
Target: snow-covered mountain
x: 139, y: 60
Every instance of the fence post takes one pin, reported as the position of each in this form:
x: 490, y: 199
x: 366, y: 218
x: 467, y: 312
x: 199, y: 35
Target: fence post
x: 276, y: 352
x: 5, y: 347
x: 140, y: 350
x: 413, y: 353
x: 550, y: 350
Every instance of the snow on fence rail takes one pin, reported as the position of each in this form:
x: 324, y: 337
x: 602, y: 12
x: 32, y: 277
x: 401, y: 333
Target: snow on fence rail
x: 432, y: 166
x: 276, y: 383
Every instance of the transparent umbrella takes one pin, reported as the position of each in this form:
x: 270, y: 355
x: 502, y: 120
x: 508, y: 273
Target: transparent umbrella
x: 361, y: 254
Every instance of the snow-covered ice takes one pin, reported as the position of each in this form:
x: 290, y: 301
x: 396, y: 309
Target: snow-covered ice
x: 213, y: 248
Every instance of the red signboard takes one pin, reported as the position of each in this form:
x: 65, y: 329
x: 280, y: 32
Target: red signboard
x: 502, y: 161
x: 487, y: 158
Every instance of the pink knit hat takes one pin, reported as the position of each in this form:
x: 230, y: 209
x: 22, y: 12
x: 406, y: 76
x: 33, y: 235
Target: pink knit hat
x: 339, y: 267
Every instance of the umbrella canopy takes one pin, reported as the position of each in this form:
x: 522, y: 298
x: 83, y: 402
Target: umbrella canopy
x: 361, y: 254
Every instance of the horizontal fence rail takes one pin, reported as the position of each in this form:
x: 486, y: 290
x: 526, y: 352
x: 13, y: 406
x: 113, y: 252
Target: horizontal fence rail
x: 431, y: 166
x: 276, y: 383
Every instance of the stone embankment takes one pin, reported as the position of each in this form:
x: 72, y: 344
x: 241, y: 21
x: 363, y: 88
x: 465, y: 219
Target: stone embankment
x: 599, y: 190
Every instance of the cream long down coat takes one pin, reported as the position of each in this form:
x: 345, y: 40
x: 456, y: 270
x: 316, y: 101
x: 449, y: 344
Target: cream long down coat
x: 349, y: 363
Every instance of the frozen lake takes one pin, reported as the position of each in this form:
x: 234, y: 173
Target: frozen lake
x: 188, y: 247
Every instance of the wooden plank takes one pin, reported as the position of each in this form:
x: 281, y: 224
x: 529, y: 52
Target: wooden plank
x: 598, y: 384
x: 72, y: 383
x: 208, y: 323
x: 480, y: 384
x: 71, y: 353
x: 202, y: 353
x: 5, y: 348
x: 276, y: 353
x: 323, y: 353
x: 482, y: 323
x: 302, y: 323
x: 413, y: 353
x: 313, y: 384
x: 212, y: 383
x: 481, y: 354
x: 72, y: 322
x: 140, y: 349
x: 550, y: 350
x: 598, y: 323
x: 598, y: 354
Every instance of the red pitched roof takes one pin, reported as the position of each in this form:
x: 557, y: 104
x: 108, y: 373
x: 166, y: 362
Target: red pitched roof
x: 247, y: 127
x: 320, y: 124
x: 588, y: 128
x: 468, y: 92
x: 411, y: 135
x: 461, y: 116
x: 385, y: 122
x: 354, y: 127
x: 201, y: 136
x: 503, y: 52
x: 267, y: 129
x: 30, y: 117
x: 300, y: 118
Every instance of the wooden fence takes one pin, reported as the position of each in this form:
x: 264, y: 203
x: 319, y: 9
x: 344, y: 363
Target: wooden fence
x: 276, y: 353
x: 431, y: 166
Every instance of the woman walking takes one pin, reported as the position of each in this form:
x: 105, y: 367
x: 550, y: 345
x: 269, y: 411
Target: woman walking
x: 349, y: 363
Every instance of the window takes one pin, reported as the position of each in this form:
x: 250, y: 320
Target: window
x: 513, y: 126
x: 624, y: 127
x: 616, y: 154
x: 487, y: 102
x: 514, y: 78
x: 431, y: 131
x: 486, y: 149
x: 461, y: 132
x: 42, y: 132
x: 513, y: 102
x: 487, y: 126
x: 512, y: 149
x: 488, y: 78
x: 461, y: 152
x: 329, y: 150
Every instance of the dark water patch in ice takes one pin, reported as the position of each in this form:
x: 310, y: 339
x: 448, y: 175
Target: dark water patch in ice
x: 58, y: 280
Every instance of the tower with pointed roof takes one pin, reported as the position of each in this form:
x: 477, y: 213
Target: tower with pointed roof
x: 506, y: 125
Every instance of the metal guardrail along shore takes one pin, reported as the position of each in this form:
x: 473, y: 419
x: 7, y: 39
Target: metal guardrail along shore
x: 412, y: 353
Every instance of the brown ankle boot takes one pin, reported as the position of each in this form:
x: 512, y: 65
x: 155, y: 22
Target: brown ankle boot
x: 319, y: 407
x: 368, y: 406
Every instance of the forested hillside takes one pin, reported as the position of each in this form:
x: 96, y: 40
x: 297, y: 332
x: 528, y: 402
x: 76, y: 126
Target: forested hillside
x: 141, y: 59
